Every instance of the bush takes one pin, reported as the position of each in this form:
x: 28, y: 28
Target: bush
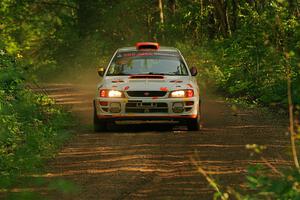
x: 282, y: 185
x: 32, y: 127
x: 252, y: 63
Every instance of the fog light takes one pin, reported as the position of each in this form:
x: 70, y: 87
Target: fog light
x: 115, y: 107
x: 177, y: 107
x: 189, y: 103
x: 103, y: 103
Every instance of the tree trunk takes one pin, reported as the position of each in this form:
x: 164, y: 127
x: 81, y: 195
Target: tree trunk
x: 172, y: 5
x: 291, y: 117
x: 225, y: 12
x: 81, y: 16
x: 85, y: 16
x: 294, y: 7
x: 161, y: 17
x: 161, y: 11
x: 221, y: 13
x: 235, y: 7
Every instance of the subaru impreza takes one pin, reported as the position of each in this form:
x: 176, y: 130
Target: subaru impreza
x: 147, y: 82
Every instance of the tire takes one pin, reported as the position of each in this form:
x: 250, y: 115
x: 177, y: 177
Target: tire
x: 195, y: 124
x: 100, y: 125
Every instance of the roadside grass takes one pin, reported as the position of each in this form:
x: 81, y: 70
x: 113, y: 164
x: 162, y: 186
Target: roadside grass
x: 222, y: 69
x: 32, y: 130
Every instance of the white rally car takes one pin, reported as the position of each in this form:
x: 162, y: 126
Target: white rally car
x: 147, y: 82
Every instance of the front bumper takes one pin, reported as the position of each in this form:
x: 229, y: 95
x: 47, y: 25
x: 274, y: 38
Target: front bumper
x: 147, y: 108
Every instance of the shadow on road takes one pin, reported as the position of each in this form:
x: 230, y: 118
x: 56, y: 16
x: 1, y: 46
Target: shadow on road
x: 153, y: 161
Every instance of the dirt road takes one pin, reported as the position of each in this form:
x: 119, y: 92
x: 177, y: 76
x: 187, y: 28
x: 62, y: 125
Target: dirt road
x: 153, y: 162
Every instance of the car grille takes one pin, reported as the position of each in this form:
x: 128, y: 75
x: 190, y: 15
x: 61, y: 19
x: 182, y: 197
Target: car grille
x: 140, y: 107
x: 146, y: 93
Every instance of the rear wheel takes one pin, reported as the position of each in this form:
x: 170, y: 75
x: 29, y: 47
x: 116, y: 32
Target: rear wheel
x: 100, y: 125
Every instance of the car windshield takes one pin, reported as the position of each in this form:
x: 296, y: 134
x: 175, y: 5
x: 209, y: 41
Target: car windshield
x: 134, y: 63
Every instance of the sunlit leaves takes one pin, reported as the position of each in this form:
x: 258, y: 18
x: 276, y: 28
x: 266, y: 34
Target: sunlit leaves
x: 256, y: 148
x: 253, y: 62
x: 265, y: 184
x: 29, y: 124
x: 28, y: 26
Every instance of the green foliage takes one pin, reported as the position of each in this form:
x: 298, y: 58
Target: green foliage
x: 285, y: 186
x: 243, y: 48
x: 253, y: 63
x: 32, y: 127
x: 63, y: 186
x: 36, y: 29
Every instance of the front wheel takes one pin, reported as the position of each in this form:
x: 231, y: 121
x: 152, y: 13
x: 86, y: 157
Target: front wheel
x: 100, y: 125
x: 195, y: 124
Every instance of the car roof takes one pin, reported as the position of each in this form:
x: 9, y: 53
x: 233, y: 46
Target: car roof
x: 161, y: 49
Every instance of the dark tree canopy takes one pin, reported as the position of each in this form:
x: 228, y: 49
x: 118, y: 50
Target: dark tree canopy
x: 249, y: 40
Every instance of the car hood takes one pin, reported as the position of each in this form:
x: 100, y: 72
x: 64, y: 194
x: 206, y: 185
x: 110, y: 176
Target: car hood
x: 146, y: 83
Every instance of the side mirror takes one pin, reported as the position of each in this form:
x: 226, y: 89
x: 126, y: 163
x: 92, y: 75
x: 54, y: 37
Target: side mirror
x: 101, y: 71
x: 193, y: 71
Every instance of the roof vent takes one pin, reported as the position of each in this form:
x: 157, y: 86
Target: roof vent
x: 147, y: 45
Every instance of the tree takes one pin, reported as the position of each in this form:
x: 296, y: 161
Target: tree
x: 222, y: 16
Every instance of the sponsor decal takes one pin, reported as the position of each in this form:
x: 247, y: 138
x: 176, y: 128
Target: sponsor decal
x: 190, y: 85
x: 164, y: 89
x: 117, y: 81
x: 176, y: 81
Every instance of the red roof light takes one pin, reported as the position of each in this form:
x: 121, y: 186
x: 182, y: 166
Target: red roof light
x: 147, y: 45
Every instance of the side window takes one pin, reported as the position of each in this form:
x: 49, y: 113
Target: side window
x: 183, y: 69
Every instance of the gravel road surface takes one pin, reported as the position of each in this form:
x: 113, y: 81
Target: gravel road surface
x: 153, y: 161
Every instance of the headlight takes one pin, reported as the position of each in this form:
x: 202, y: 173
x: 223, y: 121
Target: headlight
x: 114, y: 94
x: 182, y: 93
x: 177, y: 94
x: 111, y: 93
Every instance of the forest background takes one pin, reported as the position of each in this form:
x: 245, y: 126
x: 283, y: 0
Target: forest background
x: 246, y: 50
